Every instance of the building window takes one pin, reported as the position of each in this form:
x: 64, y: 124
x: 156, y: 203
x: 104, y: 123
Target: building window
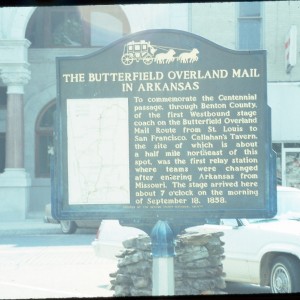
x: 288, y: 163
x: 250, y: 26
x: 3, y: 96
x: 277, y: 148
x: 65, y: 28
x: 44, y: 140
x: 76, y: 26
x: 2, y: 152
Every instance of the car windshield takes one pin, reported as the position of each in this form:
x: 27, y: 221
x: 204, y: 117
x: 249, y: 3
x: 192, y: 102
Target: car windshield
x: 288, y: 200
x: 288, y: 215
x: 252, y: 221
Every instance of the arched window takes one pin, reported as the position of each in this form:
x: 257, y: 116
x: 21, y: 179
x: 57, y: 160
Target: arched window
x: 44, y: 140
x: 76, y: 26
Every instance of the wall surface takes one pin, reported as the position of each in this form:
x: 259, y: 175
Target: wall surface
x: 278, y: 18
x: 284, y: 100
x: 214, y: 21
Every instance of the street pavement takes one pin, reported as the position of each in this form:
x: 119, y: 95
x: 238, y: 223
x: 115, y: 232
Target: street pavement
x: 28, y: 227
x: 38, y: 261
x: 81, y: 259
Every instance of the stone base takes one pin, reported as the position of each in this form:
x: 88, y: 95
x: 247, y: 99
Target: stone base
x: 14, y: 194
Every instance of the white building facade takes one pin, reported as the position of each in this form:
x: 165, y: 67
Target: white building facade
x: 32, y: 37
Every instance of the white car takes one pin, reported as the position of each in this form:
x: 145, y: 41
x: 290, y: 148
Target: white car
x: 109, y: 238
x: 265, y: 251
x: 69, y: 226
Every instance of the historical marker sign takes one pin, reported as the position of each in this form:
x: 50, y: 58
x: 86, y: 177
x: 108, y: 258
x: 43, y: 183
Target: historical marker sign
x: 164, y: 124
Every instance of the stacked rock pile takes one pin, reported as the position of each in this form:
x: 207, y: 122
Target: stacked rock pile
x: 197, y: 265
x: 134, y: 274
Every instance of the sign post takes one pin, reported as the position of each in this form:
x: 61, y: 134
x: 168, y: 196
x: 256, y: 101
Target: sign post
x: 163, y: 252
x: 161, y: 124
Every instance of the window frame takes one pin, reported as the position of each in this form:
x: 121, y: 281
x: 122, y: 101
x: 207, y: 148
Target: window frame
x: 42, y: 132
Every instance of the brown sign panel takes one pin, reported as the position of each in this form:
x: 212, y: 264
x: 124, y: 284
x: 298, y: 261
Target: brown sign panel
x: 163, y: 124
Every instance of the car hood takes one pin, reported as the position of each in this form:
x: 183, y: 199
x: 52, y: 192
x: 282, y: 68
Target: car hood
x: 289, y: 215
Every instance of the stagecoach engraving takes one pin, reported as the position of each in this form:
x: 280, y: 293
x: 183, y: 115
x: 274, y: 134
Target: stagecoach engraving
x: 147, y: 53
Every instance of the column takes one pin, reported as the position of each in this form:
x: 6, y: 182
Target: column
x: 14, y: 182
x: 15, y: 81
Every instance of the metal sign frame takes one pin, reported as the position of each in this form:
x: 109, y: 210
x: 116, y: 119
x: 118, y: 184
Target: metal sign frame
x: 174, y: 66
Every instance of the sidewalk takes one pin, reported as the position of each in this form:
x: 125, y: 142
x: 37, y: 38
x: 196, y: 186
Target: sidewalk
x: 27, y: 227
